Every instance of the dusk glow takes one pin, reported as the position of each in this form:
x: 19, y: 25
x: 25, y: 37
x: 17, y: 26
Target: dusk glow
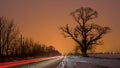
x: 41, y: 19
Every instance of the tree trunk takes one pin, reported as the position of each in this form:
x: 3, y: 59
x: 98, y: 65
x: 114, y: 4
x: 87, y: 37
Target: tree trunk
x: 84, y: 52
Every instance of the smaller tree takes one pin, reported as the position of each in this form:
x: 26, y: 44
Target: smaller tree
x: 8, y: 33
x: 85, y: 34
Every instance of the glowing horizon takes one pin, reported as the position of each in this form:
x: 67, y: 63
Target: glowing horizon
x: 40, y: 19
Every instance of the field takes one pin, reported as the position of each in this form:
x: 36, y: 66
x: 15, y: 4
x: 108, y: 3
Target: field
x: 94, y: 61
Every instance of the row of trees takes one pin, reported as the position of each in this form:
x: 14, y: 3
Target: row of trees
x: 13, y: 44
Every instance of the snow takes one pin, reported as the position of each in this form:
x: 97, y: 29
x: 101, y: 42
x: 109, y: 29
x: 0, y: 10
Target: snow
x: 90, y: 62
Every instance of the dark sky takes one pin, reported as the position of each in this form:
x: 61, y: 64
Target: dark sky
x: 40, y: 19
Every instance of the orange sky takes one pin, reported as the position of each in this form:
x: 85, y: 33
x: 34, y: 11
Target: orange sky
x: 40, y: 19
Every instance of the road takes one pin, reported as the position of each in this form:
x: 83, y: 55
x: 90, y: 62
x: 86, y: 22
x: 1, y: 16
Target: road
x: 51, y: 63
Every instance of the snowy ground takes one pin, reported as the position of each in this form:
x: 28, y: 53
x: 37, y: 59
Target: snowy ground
x: 98, y: 61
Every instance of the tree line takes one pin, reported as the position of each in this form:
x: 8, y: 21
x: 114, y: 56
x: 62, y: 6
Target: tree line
x: 13, y: 44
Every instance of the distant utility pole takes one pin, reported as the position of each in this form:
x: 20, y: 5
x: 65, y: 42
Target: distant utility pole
x: 21, y: 44
x: 21, y: 39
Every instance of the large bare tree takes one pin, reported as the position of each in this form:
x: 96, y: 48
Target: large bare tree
x: 86, y: 34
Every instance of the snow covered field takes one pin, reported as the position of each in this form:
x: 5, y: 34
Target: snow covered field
x: 95, y: 61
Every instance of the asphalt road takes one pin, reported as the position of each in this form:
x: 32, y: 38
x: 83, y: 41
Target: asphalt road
x: 52, y: 63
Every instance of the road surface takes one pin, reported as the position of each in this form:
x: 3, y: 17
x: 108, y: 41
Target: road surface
x: 51, y: 63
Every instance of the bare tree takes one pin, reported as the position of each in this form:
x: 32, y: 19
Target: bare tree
x: 8, y: 33
x: 50, y: 50
x: 85, y: 33
x: 12, y: 44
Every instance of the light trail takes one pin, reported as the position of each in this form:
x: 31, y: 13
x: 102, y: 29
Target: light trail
x: 22, y: 62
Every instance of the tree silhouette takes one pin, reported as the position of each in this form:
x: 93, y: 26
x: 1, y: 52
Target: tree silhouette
x: 8, y: 33
x: 85, y: 33
x: 13, y: 44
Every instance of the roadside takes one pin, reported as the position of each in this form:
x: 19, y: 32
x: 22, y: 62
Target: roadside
x: 89, y: 62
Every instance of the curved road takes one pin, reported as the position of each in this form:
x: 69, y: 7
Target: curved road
x: 52, y: 63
